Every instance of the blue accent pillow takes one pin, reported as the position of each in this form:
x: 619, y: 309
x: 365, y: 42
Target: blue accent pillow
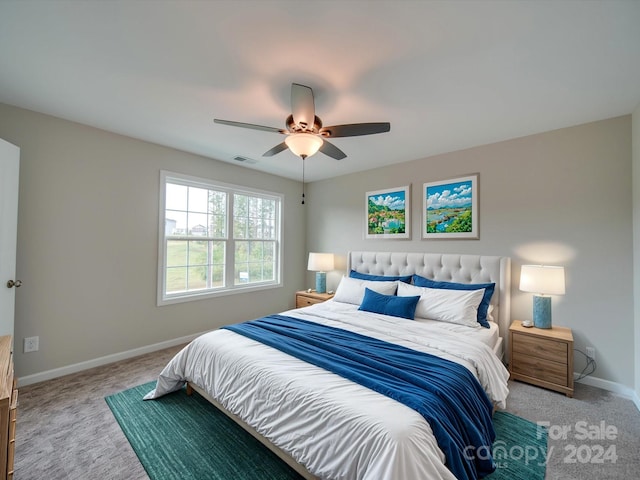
x: 483, y: 308
x: 379, y: 278
x: 404, y: 307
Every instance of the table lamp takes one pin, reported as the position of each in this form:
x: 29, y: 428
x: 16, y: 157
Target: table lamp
x: 542, y: 280
x: 320, y: 263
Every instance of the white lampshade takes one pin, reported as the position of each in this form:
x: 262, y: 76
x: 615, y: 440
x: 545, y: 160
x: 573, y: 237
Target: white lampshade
x: 303, y: 144
x: 544, y: 279
x: 320, y: 262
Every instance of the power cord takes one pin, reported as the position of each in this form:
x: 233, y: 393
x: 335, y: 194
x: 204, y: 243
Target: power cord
x: 591, y: 366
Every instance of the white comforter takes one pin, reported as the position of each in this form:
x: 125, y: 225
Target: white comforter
x: 336, y: 428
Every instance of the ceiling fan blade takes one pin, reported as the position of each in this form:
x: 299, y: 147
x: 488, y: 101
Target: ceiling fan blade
x: 277, y: 149
x: 302, y: 106
x: 355, y: 129
x: 332, y: 151
x: 249, y: 125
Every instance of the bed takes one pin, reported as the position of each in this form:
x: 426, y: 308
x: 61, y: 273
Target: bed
x: 325, y: 425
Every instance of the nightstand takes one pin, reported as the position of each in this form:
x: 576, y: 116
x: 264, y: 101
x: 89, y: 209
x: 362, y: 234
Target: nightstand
x: 542, y: 356
x: 304, y: 298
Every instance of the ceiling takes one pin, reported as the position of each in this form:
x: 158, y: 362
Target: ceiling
x: 447, y: 75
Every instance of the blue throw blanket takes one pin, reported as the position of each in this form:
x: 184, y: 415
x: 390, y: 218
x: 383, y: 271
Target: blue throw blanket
x: 445, y: 393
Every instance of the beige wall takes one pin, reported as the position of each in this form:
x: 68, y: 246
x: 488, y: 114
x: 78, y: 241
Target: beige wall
x: 562, y: 197
x: 636, y: 242
x: 88, y: 243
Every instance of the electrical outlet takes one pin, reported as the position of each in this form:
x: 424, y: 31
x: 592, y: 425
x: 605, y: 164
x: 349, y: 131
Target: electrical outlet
x: 591, y: 353
x: 31, y: 344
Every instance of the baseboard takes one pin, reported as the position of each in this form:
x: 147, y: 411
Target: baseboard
x: 636, y: 399
x: 612, y: 387
x: 98, y: 362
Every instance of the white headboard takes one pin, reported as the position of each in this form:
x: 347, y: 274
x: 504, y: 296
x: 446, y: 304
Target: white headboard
x: 448, y: 268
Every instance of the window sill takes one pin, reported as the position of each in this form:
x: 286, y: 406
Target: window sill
x: 190, y: 297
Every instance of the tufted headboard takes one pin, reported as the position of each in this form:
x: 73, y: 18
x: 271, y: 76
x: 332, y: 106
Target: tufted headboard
x: 446, y: 267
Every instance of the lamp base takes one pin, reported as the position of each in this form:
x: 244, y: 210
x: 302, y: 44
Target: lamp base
x: 321, y: 282
x: 541, y: 311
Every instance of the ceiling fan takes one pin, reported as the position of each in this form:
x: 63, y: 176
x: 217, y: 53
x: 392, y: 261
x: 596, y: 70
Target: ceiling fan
x: 305, y: 133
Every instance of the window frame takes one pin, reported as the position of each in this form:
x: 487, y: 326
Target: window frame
x: 230, y: 288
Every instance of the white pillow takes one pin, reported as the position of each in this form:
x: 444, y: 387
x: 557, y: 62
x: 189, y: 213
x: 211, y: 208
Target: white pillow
x: 490, y: 314
x: 351, y: 290
x: 452, y: 306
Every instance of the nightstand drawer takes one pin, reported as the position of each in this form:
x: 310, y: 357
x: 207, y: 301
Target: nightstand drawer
x: 306, y: 301
x: 540, y: 348
x: 553, y: 372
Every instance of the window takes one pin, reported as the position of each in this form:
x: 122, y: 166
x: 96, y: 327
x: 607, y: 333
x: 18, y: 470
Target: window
x: 216, y: 238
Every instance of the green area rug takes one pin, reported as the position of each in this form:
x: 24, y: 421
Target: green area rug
x: 520, y: 449
x: 181, y: 437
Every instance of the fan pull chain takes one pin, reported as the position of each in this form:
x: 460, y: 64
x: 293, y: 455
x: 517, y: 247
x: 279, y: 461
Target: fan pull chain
x: 303, y: 180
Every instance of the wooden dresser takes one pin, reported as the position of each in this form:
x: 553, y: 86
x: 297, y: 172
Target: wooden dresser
x: 8, y: 408
x: 542, y: 356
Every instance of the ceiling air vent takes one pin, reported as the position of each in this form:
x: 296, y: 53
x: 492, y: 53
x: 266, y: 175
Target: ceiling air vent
x: 244, y: 160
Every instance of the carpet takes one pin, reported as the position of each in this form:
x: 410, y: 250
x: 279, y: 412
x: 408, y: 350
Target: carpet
x: 180, y: 437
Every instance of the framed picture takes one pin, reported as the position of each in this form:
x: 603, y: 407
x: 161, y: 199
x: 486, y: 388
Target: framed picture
x: 450, y: 208
x: 389, y: 213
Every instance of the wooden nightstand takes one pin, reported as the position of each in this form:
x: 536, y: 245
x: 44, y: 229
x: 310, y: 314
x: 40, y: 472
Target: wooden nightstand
x: 542, y: 357
x: 304, y: 298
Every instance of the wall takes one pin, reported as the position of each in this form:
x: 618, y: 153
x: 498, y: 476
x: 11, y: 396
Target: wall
x: 636, y: 245
x: 88, y: 243
x: 561, y: 197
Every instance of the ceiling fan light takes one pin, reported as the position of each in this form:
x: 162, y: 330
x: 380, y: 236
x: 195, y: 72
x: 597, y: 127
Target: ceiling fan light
x: 303, y: 144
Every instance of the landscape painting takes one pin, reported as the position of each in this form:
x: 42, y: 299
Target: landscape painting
x: 388, y: 213
x: 450, y: 208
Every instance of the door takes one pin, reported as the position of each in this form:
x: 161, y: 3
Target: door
x: 9, y: 172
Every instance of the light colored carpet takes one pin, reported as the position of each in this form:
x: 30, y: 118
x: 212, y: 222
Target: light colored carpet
x: 66, y: 431
x: 571, y: 456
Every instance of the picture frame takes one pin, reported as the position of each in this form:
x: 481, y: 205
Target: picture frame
x: 450, y: 209
x: 388, y: 213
